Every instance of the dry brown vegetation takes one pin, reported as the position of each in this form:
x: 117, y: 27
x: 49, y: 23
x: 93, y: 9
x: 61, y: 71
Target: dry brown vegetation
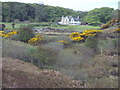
x: 18, y: 74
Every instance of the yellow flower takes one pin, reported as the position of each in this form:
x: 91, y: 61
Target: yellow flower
x: 36, y: 39
x: 2, y: 32
x: 117, y: 30
x: 77, y: 38
x: 13, y: 33
x: 74, y: 34
x: 82, y: 34
x: 6, y: 35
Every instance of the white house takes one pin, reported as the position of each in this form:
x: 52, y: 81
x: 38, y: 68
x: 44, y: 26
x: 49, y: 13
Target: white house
x: 69, y: 20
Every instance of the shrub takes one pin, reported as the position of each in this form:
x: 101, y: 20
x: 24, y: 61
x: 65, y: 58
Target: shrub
x: 70, y: 61
x: 25, y: 33
x: 46, y: 55
x: 104, y: 26
x: 22, y: 51
x: 109, y: 45
x: 76, y: 36
x: 8, y: 35
x: 35, y: 40
x: 112, y: 21
x: 117, y: 30
x: 16, y: 50
x: 92, y: 42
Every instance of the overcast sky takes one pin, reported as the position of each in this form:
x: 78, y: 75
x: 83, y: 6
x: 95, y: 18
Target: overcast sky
x: 81, y: 5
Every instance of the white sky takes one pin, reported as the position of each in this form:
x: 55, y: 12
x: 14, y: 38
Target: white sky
x: 81, y: 5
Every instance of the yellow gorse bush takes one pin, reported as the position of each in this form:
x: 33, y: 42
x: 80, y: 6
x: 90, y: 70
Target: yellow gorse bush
x: 33, y: 40
x: 117, y: 30
x: 3, y: 34
x: 12, y: 33
x: 92, y: 31
x: 38, y: 38
x: 76, y: 36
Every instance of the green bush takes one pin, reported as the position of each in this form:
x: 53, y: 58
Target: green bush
x: 25, y: 33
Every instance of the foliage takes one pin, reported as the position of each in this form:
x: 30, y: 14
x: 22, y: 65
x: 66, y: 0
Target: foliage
x: 25, y: 33
x: 87, y: 32
x: 82, y: 14
x: 117, y: 30
x: 38, y: 38
x: 46, y: 55
x: 99, y: 15
x: 108, y: 45
x: 111, y: 22
x: 17, y: 50
x: 76, y: 36
x: 104, y: 26
x: 4, y: 34
x: 115, y: 14
x: 92, y: 42
x: 13, y: 11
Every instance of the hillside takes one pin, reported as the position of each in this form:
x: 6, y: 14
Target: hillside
x: 18, y: 74
x: 15, y: 11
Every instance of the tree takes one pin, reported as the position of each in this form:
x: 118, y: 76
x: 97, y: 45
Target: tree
x: 99, y: 15
x: 115, y: 14
x: 39, y: 12
x: 82, y: 14
x: 25, y: 33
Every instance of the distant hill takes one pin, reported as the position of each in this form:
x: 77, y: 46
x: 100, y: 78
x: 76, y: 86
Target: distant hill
x: 15, y: 11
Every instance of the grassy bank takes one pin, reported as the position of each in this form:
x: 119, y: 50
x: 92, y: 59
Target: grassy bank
x: 47, y: 24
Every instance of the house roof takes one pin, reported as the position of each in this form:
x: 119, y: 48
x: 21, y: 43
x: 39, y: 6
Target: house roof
x: 75, y: 18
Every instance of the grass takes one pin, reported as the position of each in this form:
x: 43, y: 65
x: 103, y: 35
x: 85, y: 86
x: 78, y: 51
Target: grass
x: 46, y: 24
x: 9, y: 25
x: 77, y: 28
x: 73, y: 28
